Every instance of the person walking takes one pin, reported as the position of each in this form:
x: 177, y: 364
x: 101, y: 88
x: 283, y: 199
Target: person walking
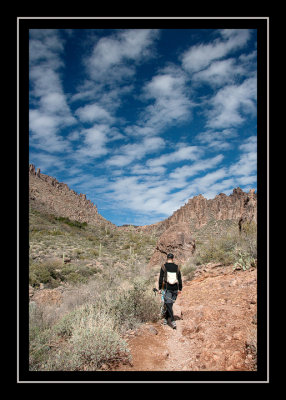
x: 170, y: 280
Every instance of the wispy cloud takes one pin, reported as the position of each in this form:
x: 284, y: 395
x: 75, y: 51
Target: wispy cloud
x: 109, y: 53
x: 168, y: 102
x: 50, y: 111
x: 190, y: 170
x: 183, y: 153
x: 231, y: 103
x: 135, y: 151
x: 247, y: 165
x: 217, y: 139
x: 200, y: 56
x: 93, y: 143
x: 93, y: 112
x: 220, y: 73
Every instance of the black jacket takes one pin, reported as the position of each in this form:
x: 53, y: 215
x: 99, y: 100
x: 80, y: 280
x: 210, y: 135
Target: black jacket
x: 171, y: 267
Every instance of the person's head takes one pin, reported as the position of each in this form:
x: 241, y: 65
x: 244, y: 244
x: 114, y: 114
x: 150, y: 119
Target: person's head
x: 170, y: 257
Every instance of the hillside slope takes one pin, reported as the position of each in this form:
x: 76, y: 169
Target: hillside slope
x: 49, y: 196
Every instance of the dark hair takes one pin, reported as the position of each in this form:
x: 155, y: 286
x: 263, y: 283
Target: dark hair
x: 170, y: 255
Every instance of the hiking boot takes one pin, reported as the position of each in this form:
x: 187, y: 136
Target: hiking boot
x: 165, y: 321
x: 173, y: 324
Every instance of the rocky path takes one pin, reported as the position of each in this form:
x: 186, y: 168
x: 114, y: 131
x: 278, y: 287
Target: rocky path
x: 216, y: 327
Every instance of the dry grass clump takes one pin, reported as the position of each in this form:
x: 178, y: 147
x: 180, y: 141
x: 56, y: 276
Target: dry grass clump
x: 84, y: 339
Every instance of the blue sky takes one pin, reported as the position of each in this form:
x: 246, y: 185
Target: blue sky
x: 141, y: 120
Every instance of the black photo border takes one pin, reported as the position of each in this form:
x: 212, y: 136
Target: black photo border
x: 23, y: 26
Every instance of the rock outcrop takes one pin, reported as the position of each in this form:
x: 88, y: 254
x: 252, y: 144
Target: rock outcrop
x: 199, y: 211
x: 48, y: 195
x: 200, y: 219
x: 249, y: 213
x: 176, y: 239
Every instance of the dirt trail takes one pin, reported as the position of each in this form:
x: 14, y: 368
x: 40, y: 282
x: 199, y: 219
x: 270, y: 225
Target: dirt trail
x: 216, y: 327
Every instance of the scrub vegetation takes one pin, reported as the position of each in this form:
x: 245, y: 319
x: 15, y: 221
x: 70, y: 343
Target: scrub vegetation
x: 105, y: 288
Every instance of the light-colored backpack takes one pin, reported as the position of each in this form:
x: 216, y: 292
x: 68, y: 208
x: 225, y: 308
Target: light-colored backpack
x: 170, y: 277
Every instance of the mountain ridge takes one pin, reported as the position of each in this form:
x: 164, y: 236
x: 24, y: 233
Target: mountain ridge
x: 48, y: 194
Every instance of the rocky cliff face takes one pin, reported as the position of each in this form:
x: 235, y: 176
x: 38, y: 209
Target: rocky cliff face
x: 198, y: 220
x: 199, y: 211
x: 48, y: 195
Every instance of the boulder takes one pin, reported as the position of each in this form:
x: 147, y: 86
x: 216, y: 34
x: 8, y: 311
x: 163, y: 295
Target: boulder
x: 177, y: 239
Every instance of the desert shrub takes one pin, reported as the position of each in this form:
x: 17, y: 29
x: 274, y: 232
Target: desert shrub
x: 188, y: 269
x: 91, y: 340
x: 45, y: 273
x: 88, y: 328
x: 36, y: 318
x: 53, y: 274
x: 55, y: 232
x: 230, y: 249
x: 39, y: 337
x: 39, y: 348
x: 94, y: 252
x: 220, y: 251
x: 248, y: 239
x: 72, y: 223
x: 75, y: 278
x: 136, y: 305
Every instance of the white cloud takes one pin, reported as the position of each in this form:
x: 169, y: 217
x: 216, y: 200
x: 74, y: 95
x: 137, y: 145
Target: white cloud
x: 183, y: 153
x: 43, y: 135
x: 217, y: 140
x: 46, y: 162
x: 200, y: 56
x: 93, y: 144
x: 92, y: 113
x: 219, y: 73
x: 190, y: 170
x: 246, y: 166
x: 250, y: 144
x: 140, y: 169
x: 155, y: 193
x: 50, y: 111
x: 135, y: 151
x: 205, y: 182
x: 171, y: 101
x: 231, y: 103
x: 109, y: 54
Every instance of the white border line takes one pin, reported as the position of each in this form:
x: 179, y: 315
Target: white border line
x: 18, y: 200
x: 268, y: 199
x: 176, y: 18
x: 143, y: 17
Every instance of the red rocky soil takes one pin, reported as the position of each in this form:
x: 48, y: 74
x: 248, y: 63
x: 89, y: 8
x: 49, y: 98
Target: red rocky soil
x: 216, y: 327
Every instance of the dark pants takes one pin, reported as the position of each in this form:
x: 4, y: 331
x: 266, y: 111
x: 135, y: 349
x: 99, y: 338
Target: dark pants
x: 169, y: 299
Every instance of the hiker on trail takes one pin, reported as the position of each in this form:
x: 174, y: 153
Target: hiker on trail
x: 170, y: 280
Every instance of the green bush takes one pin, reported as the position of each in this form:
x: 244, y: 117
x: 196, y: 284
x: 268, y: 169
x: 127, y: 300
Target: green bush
x: 136, y: 305
x: 75, y: 277
x: 72, y: 223
x: 216, y: 251
x: 45, y: 273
